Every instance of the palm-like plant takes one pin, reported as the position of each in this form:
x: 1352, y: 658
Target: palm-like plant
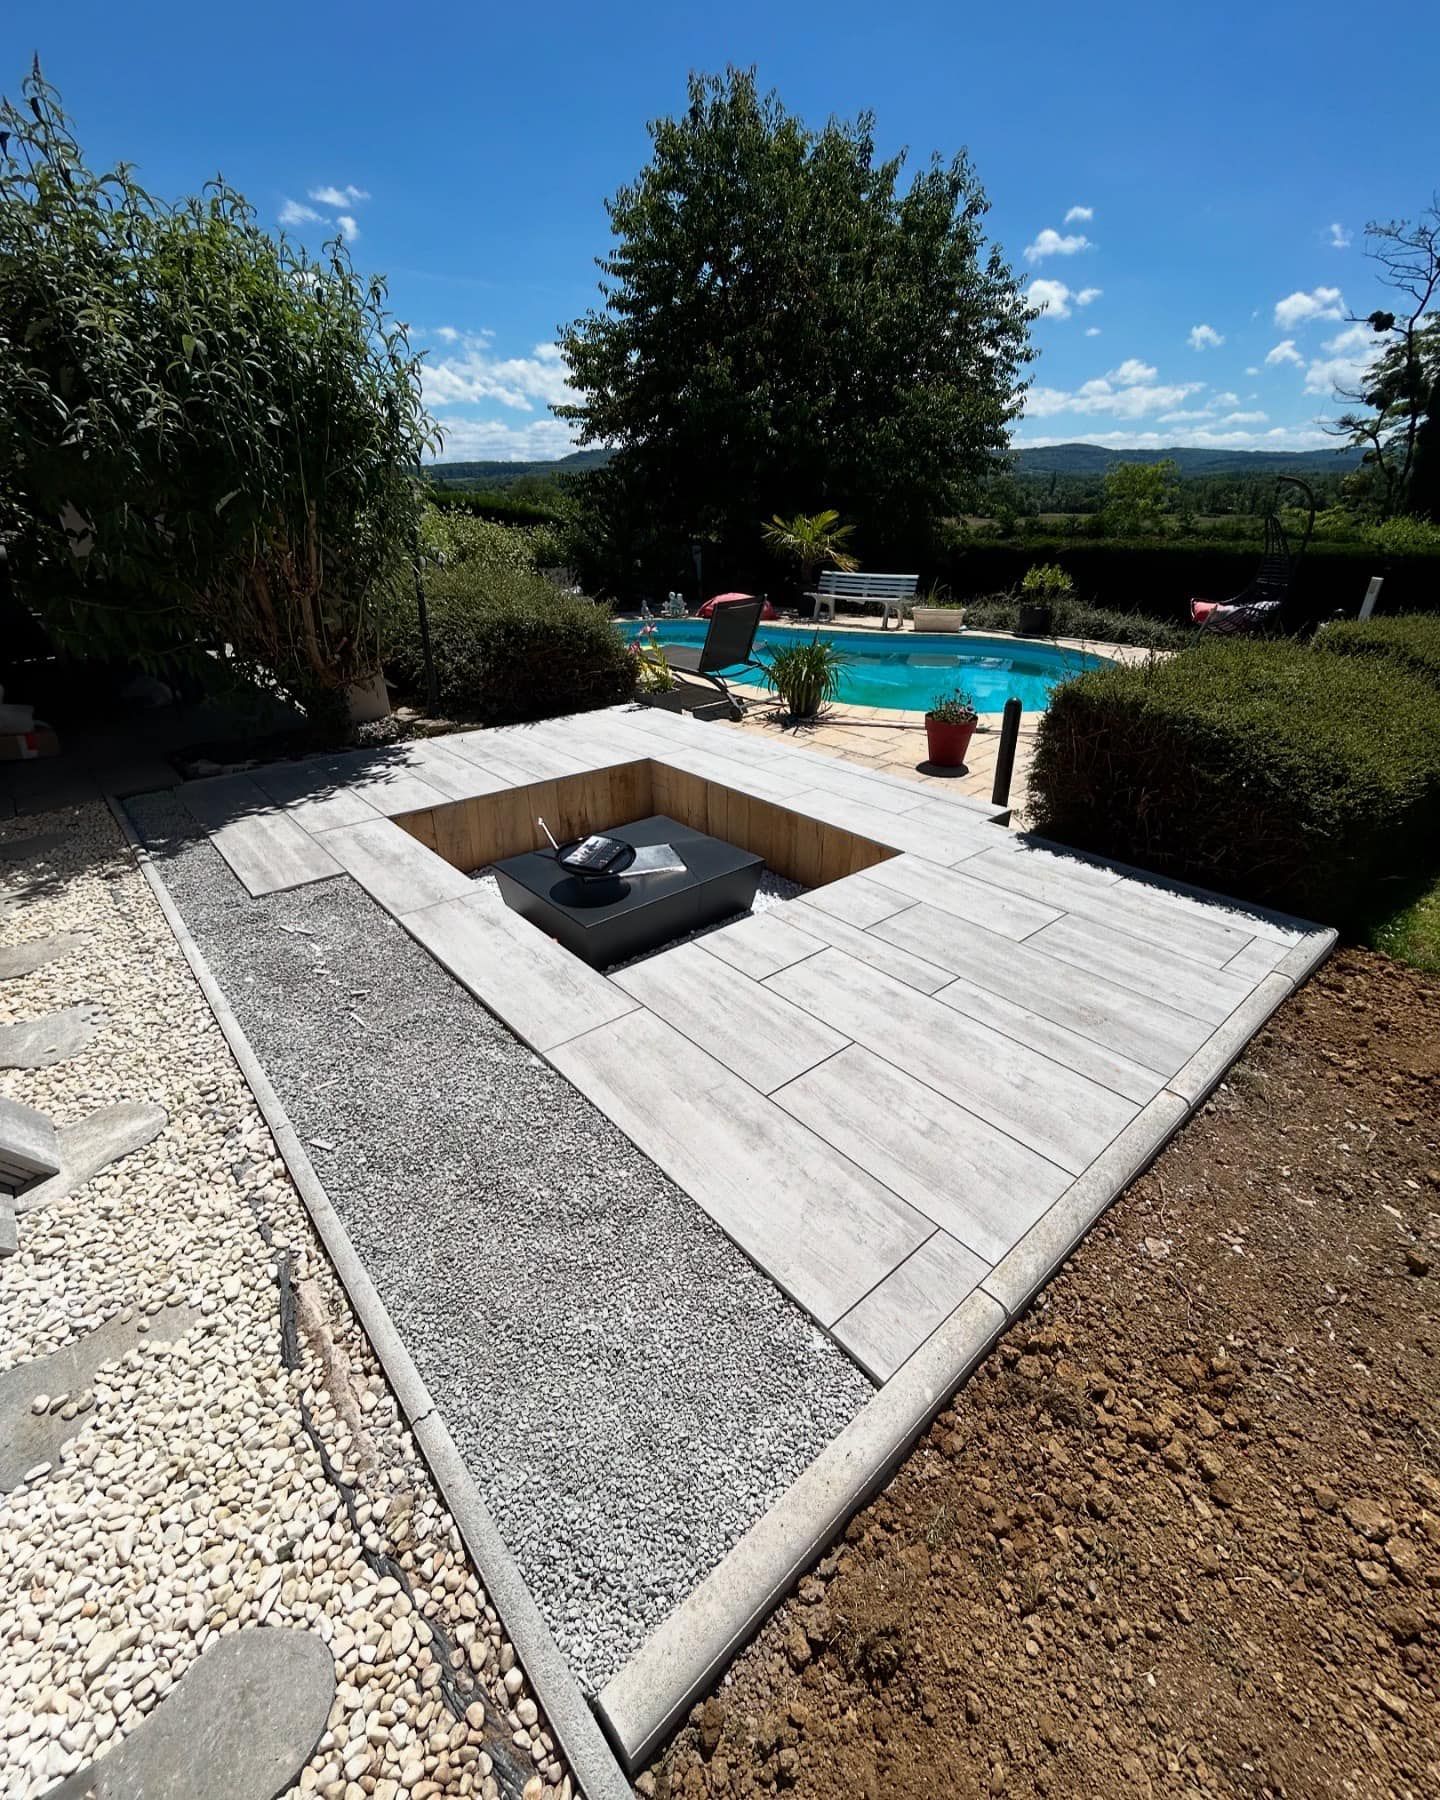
x: 812, y: 541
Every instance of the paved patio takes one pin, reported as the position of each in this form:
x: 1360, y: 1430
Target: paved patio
x: 905, y: 1095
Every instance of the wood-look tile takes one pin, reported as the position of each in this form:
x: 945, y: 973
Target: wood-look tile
x: 540, y: 991
x: 263, y: 845
x: 857, y: 900
x: 394, y: 868
x: 743, y: 1025
x: 1156, y: 1036
x: 973, y: 1180
x: 824, y: 928
x: 761, y: 944
x: 820, y: 1227
x: 1054, y: 1111
x: 953, y: 891
x: 894, y: 1319
x: 1144, y: 968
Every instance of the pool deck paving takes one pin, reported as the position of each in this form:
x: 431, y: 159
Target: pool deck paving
x: 906, y: 1095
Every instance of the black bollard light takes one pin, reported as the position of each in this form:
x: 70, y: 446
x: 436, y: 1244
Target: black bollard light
x: 1005, y: 756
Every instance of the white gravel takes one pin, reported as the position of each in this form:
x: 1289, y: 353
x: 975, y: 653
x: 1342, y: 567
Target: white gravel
x: 191, y: 1502
x: 629, y: 1392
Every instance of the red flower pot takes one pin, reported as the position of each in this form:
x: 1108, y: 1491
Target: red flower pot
x: 949, y: 744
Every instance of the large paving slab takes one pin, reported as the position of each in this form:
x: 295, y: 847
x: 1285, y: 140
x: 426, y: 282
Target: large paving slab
x: 905, y: 1094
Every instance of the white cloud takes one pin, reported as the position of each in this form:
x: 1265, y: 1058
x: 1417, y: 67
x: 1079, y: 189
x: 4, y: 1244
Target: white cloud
x: 335, y: 196
x: 1226, y: 399
x: 1306, y: 436
x: 1092, y: 331
x: 293, y: 213
x: 1299, y: 308
x: 1183, y: 417
x: 1105, y: 395
x: 1252, y: 369
x: 1245, y: 418
x: 535, y: 440
x: 1055, y: 298
x: 1051, y: 243
x: 1080, y: 215
x: 1285, y: 352
x: 516, y: 381
x: 1132, y: 371
x: 447, y: 334
x: 1347, y: 362
x: 349, y: 230
x: 1205, y: 337
x: 1340, y: 238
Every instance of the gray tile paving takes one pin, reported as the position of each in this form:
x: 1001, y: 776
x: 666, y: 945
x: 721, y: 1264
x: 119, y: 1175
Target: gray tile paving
x: 823, y: 928
x: 394, y: 868
x: 1143, y: 968
x: 887, y: 1327
x: 1064, y: 1116
x: 857, y: 900
x: 953, y: 891
x: 267, y: 848
x: 760, y: 945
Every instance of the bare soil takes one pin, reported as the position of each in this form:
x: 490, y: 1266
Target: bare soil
x: 1181, y: 1535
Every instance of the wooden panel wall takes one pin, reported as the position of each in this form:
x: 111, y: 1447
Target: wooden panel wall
x: 471, y: 833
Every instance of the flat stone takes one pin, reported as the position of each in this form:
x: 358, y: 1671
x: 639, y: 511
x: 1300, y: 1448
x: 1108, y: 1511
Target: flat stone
x: 9, y: 1231
x: 38, y: 844
x: 23, y: 959
x: 240, y: 1725
x: 28, y: 1437
x: 29, y: 1145
x: 91, y: 1145
x: 41, y: 1043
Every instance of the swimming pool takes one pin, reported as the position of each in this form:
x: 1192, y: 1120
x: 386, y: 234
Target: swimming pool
x: 910, y: 669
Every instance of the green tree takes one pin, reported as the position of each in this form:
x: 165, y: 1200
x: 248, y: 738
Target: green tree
x: 1138, y: 496
x: 1394, y: 417
x: 783, y: 315
x: 205, y: 436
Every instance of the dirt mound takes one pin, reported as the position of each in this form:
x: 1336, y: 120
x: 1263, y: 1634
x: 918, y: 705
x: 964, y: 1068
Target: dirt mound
x: 1182, y: 1535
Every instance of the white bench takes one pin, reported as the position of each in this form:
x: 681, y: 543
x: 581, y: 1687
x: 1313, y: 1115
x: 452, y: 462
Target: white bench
x: 893, y: 592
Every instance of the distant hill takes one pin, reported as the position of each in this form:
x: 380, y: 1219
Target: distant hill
x: 502, y: 474
x: 1054, y: 459
x: 1095, y: 459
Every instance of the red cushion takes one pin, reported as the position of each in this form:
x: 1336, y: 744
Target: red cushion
x: 767, y: 611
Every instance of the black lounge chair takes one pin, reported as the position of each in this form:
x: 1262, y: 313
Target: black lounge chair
x: 729, y: 644
x: 1265, y: 605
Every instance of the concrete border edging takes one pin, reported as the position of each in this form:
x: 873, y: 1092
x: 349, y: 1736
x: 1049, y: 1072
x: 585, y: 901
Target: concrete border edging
x: 680, y: 1659
x: 591, y: 1761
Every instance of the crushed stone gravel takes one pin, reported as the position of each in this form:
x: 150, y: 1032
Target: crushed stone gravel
x: 629, y: 1392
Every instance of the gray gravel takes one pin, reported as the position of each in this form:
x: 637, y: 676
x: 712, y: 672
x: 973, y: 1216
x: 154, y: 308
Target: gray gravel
x: 629, y: 1392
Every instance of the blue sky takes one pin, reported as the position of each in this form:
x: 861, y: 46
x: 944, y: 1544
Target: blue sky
x: 1188, y: 190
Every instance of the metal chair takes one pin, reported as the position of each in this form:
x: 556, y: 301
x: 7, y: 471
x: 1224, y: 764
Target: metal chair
x: 1263, y: 604
x: 729, y: 644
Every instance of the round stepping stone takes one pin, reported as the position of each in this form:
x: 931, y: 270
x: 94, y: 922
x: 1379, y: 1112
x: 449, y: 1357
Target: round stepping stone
x: 41, y: 1043
x: 23, y: 959
x: 93, y: 1144
x: 28, y: 1437
x: 240, y: 1725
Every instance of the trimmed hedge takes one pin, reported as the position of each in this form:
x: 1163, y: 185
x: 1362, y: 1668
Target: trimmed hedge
x: 1410, y: 641
x: 1267, y: 770
x: 1159, y: 577
x: 494, y: 503
x: 510, y: 648
x: 1076, y: 619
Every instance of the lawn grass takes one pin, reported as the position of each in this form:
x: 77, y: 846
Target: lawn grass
x: 1409, y: 931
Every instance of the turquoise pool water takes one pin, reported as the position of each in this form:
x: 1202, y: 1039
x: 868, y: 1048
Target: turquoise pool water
x: 910, y: 669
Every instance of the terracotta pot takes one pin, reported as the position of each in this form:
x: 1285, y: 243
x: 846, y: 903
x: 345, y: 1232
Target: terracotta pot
x: 948, y: 744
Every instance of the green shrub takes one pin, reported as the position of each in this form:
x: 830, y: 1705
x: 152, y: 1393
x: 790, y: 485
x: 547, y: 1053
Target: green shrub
x: 494, y: 503
x: 1408, y: 640
x: 1047, y: 582
x: 509, y: 647
x: 1075, y: 619
x: 1267, y: 770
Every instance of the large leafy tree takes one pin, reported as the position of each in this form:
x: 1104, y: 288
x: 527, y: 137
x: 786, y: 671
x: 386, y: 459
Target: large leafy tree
x: 205, y: 435
x: 788, y: 322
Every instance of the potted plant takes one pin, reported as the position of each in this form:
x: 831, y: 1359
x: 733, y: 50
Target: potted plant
x: 1044, y: 585
x: 936, y: 611
x: 949, y: 726
x: 806, y: 675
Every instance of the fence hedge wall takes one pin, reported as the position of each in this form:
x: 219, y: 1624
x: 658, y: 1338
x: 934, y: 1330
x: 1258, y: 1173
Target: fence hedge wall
x: 1159, y: 577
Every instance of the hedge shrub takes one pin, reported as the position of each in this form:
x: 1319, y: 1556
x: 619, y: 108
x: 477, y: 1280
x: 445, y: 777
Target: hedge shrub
x: 1409, y: 641
x: 495, y: 503
x: 1160, y: 576
x: 1076, y: 619
x: 1267, y: 770
x: 509, y: 647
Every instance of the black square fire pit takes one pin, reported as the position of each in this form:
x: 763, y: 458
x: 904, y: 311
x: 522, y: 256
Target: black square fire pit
x: 608, y: 920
